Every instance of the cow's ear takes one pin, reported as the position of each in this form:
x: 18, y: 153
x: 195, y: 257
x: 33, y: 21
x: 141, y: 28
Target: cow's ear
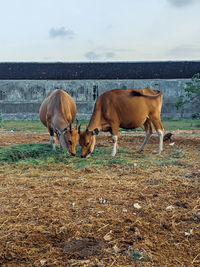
x: 95, y: 131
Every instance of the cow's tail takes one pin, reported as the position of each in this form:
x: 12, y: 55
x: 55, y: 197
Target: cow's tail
x: 161, y: 101
x: 138, y: 93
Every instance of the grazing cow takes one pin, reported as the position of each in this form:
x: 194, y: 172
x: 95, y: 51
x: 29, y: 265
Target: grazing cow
x: 57, y: 112
x: 125, y: 108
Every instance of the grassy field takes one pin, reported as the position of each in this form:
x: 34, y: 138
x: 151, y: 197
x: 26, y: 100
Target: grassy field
x: 42, y: 154
x: 36, y: 126
x: 135, y: 209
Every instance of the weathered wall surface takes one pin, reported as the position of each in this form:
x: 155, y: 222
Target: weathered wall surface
x: 21, y: 99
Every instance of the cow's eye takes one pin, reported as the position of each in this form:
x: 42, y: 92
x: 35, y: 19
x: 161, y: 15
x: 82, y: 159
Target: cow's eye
x: 87, y: 144
x: 70, y: 142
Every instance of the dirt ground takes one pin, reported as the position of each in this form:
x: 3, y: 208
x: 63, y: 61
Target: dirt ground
x: 144, y: 214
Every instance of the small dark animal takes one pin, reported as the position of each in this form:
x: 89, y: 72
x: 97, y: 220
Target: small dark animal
x: 167, y: 137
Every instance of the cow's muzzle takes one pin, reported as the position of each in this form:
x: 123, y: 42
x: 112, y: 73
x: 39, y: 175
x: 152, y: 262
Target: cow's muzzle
x: 86, y: 154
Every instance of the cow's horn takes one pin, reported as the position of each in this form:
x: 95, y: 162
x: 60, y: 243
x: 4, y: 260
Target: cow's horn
x: 77, y: 123
x: 70, y: 127
x: 79, y: 128
x: 57, y: 132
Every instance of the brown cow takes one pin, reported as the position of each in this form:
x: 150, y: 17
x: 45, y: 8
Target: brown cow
x: 57, y: 112
x: 125, y: 108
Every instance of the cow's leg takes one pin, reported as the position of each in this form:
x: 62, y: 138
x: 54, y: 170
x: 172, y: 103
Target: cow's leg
x: 148, y: 130
x: 115, y: 145
x: 114, y: 132
x: 160, y: 130
x: 160, y: 138
x: 52, y: 138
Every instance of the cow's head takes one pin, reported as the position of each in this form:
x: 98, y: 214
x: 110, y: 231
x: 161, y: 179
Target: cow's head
x: 87, y: 141
x: 68, y: 138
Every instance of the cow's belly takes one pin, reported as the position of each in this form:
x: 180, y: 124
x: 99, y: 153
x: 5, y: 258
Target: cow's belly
x: 133, y: 114
x: 133, y: 124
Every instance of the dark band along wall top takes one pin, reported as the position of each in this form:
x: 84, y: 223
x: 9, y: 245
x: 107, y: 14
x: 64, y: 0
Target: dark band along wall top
x: 99, y: 71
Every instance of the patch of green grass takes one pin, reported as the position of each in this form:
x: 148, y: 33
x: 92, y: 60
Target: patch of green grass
x: 102, y: 156
x: 168, y: 162
x: 23, y: 125
x: 42, y: 155
x: 181, y: 124
x: 32, y: 153
x: 27, y: 125
x: 20, y: 152
x: 139, y: 256
x: 37, y: 126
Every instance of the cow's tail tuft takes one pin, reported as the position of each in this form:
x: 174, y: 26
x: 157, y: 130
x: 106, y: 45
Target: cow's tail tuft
x: 136, y: 93
x: 154, y: 95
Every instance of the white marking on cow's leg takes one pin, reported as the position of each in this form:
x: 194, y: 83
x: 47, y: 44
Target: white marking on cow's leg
x: 52, y: 142
x: 51, y: 139
x: 54, y: 145
x: 115, y: 146
x: 160, y: 138
x: 148, y: 134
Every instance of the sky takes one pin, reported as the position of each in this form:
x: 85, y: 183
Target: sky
x: 99, y: 30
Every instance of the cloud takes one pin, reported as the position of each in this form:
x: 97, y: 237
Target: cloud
x: 181, y: 3
x: 110, y: 55
x: 90, y: 55
x: 61, y: 33
x: 184, y: 52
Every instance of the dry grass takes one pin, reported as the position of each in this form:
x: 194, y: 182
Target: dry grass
x: 64, y: 215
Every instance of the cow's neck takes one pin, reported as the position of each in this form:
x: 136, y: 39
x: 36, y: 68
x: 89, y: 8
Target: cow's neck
x: 95, y: 121
x: 60, y: 124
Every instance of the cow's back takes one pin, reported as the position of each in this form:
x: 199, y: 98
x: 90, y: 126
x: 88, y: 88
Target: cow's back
x: 43, y: 108
x: 57, y: 104
x: 68, y: 106
x: 128, y: 108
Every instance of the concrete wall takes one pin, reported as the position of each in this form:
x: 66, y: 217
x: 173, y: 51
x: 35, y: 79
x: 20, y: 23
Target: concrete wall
x: 21, y: 99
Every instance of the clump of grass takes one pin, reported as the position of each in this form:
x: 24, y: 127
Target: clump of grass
x: 102, y: 157
x: 29, y: 152
x: 42, y: 155
x: 17, y: 153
